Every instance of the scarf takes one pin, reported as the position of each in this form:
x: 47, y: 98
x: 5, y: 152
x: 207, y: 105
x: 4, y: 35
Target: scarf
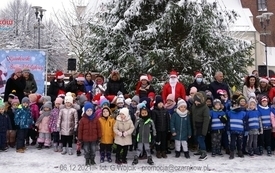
x: 166, y: 106
x: 182, y: 114
x: 44, y: 114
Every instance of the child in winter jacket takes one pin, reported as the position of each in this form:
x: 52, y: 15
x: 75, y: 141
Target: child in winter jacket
x: 23, y: 121
x: 67, y: 124
x: 123, y: 129
x: 181, y: 128
x: 237, y: 121
x: 44, y: 138
x: 201, y: 119
x: 161, y: 118
x: 265, y: 134
x: 32, y: 133
x: 218, y: 121
x: 89, y: 133
x: 11, y: 134
x: 119, y: 106
x: 145, y: 133
x: 107, y: 138
x: 5, y: 125
x: 133, y: 113
x: 102, y: 102
x: 253, y: 116
x: 53, y: 125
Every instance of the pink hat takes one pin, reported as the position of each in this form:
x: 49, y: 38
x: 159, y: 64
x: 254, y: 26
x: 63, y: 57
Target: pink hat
x: 193, y: 90
x: 197, y: 74
x: 170, y: 97
x: 59, y: 75
x: 17, y: 70
x: 15, y: 100
x: 58, y: 100
x: 264, y: 79
x: 143, y: 77
x: 80, y: 77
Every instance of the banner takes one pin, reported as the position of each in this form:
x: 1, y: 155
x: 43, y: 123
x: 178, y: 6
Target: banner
x: 35, y: 60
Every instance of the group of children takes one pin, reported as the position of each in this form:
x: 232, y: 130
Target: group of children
x: 138, y: 124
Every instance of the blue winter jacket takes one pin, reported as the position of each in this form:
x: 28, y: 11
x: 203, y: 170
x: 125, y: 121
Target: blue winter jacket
x: 237, y: 121
x: 253, y: 117
x: 5, y: 123
x: 181, y: 125
x: 216, y: 123
x: 265, y: 115
x: 89, y: 87
x: 23, y: 118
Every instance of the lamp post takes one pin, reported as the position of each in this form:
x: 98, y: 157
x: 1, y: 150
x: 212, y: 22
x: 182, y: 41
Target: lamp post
x: 265, y: 20
x: 39, y: 15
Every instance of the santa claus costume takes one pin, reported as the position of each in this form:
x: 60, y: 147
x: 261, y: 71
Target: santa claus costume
x: 173, y: 87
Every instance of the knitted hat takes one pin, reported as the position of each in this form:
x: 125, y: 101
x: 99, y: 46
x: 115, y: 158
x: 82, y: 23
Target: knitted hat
x: 193, y: 90
x: 120, y: 100
x: 170, y: 97
x: 128, y: 101
x: 105, y: 107
x: 88, y: 105
x: 59, y: 75
x: 103, y: 101
x: 252, y: 94
x: 264, y: 79
x: 158, y: 100
x: 25, y: 100
x: 136, y: 98
x: 124, y: 111
x: 45, y: 99
x: 217, y: 101
x: 17, y: 70
x: 15, y: 100
x: 252, y: 100
x: 58, y: 100
x: 48, y: 105
x: 199, y: 97
x: 80, y: 77
x: 181, y: 102
x: 99, y: 76
x: 33, y: 97
x: 197, y: 74
x: 81, y: 99
x: 151, y: 95
x: 143, y: 77
x: 69, y: 98
x: 173, y: 74
x: 26, y: 70
x: 241, y: 97
x: 11, y: 95
x: 2, y: 104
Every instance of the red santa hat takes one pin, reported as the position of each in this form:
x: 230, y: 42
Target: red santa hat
x: 143, y: 77
x: 96, y: 99
x: 173, y: 73
x: 264, y: 79
x: 59, y: 75
x: 112, y: 98
x: 197, y: 74
x: 80, y: 77
x: 272, y: 77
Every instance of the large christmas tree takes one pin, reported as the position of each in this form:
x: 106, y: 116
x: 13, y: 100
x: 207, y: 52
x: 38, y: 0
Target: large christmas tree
x: 156, y: 36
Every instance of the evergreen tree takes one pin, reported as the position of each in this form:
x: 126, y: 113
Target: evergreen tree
x: 156, y: 36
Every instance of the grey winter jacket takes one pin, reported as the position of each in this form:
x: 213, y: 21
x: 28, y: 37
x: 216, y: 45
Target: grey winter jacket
x: 144, y: 130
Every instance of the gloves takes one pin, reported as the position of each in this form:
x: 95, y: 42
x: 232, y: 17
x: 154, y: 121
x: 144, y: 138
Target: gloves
x: 119, y: 134
x: 125, y: 134
x: 223, y: 119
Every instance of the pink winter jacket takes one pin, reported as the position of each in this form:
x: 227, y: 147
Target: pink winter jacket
x: 43, y: 122
x: 34, y: 111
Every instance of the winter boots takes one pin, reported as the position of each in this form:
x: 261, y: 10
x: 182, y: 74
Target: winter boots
x: 87, y: 162
x: 268, y: 150
x: 102, y: 157
x: 64, y: 151
x: 203, y: 156
x: 150, y: 160
x: 186, y: 154
x: 158, y: 155
x: 163, y: 154
x: 177, y: 154
x: 240, y: 154
x: 55, y: 147
x: 40, y: 146
x: 70, y: 151
x: 60, y: 147
x: 109, y: 158
x: 135, y: 161
x: 231, y: 155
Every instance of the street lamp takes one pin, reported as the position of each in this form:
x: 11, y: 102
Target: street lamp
x: 39, y: 15
x: 265, y: 20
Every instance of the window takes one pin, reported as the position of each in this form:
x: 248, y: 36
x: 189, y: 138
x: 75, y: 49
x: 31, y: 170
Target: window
x: 262, y: 5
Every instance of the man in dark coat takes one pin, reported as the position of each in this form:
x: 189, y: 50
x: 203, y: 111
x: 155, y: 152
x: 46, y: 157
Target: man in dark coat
x: 115, y: 84
x: 217, y: 85
x: 198, y: 83
x: 57, y: 86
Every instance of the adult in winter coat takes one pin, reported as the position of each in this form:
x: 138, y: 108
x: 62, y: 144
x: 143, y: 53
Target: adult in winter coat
x: 218, y: 84
x: 76, y: 86
x: 57, y: 86
x: 31, y: 86
x: 115, y: 84
x: 143, y: 87
x: 200, y: 117
x: 198, y: 83
x: 99, y: 85
x: 88, y: 83
x: 250, y: 86
x: 17, y: 83
x: 173, y: 87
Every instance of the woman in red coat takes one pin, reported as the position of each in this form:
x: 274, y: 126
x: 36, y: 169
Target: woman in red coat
x: 174, y: 87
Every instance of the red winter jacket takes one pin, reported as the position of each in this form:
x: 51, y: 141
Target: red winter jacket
x: 179, y: 91
x: 89, y: 130
x: 271, y: 94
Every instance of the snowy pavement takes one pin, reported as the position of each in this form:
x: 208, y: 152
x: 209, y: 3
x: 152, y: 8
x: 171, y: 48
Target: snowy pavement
x: 47, y: 161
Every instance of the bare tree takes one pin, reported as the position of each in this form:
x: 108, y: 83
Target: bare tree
x: 73, y: 24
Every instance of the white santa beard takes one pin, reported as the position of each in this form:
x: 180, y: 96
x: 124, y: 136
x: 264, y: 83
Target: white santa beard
x: 173, y: 82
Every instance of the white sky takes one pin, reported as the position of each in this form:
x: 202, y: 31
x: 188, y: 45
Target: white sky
x: 50, y: 5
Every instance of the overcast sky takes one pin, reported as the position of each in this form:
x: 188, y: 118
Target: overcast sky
x: 50, y: 5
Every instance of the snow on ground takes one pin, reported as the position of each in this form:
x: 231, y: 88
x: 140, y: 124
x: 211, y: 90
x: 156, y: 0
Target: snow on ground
x: 47, y: 161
